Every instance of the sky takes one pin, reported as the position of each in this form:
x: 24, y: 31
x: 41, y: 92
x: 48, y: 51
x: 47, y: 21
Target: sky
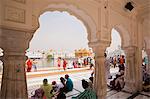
x: 62, y: 31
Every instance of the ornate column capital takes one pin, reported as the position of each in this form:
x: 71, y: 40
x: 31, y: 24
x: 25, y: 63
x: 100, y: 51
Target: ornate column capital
x: 14, y: 41
x: 99, y: 47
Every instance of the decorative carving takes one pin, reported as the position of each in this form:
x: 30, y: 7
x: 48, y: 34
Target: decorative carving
x: 20, y: 1
x: 14, y: 14
x: 35, y: 23
x: 105, y: 34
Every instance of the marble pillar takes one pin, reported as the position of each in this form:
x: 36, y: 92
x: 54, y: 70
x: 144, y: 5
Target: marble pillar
x: 133, y: 70
x: 100, y: 84
x: 14, y: 77
x: 14, y: 44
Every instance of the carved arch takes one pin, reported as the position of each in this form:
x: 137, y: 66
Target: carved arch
x: 124, y: 34
x: 78, y: 13
x: 146, y: 42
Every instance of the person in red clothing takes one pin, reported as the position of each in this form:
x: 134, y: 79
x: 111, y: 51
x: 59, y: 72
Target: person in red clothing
x: 29, y: 65
x: 122, y: 60
x: 74, y: 64
x: 64, y: 64
x: 121, y: 65
x: 59, y: 62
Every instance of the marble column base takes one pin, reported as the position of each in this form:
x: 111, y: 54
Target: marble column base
x: 131, y: 87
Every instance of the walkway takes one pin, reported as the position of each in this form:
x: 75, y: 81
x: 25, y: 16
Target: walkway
x: 77, y: 75
x: 34, y: 80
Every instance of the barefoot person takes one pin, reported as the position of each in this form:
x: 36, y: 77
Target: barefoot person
x: 29, y: 65
x: 59, y: 62
x: 64, y: 64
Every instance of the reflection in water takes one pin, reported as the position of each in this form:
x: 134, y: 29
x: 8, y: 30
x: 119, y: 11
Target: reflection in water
x: 44, y: 62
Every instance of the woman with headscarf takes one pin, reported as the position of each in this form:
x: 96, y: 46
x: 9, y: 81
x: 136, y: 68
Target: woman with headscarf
x: 47, y: 89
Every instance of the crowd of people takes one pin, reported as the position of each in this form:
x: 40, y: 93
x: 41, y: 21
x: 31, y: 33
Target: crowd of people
x: 57, y: 90
x: 31, y: 64
x: 146, y: 76
x: 118, y: 81
x: 76, y: 63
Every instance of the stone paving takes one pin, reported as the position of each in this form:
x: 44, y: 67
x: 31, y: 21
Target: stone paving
x: 34, y: 81
x: 77, y: 77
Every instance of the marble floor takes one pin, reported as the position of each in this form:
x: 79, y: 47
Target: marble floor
x: 35, y: 82
x: 124, y: 95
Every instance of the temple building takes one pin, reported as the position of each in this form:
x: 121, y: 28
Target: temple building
x: 19, y: 21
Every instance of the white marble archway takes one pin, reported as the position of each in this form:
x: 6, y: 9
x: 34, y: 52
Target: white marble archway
x: 19, y: 20
x: 124, y: 34
x: 133, y: 70
x: 78, y: 13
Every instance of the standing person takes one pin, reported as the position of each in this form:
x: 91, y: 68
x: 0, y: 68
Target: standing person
x: 79, y: 62
x: 121, y: 65
x: 115, y: 61
x: 29, y: 65
x: 69, y: 83
x: 121, y: 61
x: 34, y: 65
x: 92, y: 63
x: 118, y: 59
x: 47, y: 89
x: 59, y: 63
x: 64, y: 64
x: 74, y: 64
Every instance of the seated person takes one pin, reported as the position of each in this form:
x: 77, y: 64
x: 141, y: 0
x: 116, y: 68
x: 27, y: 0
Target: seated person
x: 88, y: 93
x: 56, y: 87
x: 118, y: 82
x: 47, y: 89
x: 61, y: 94
x: 63, y: 82
x: 69, y: 84
x: 146, y: 82
x: 39, y: 93
x: 90, y: 82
